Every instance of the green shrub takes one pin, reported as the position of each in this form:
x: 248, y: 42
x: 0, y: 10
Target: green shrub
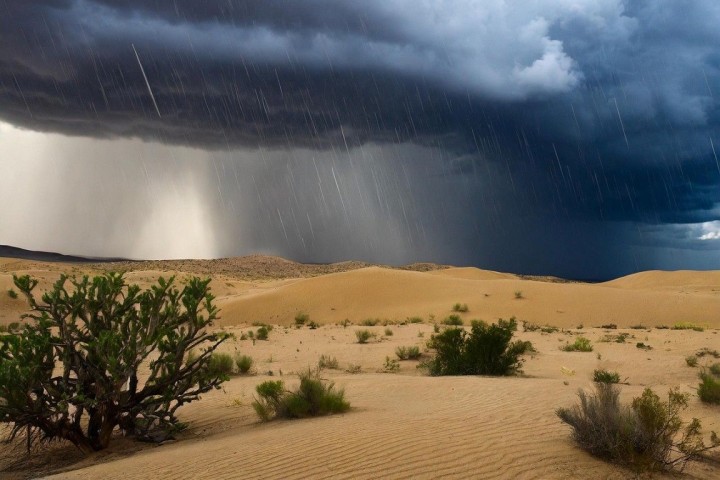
x: 408, y: 353
x: 691, y: 361
x: 391, y: 365
x: 388, y: 332
x: 715, y: 369
x: 531, y: 327
x: 244, y: 363
x: 345, y: 323
x: 709, y: 389
x: 486, y: 350
x: 453, y: 320
x: 220, y: 364
x: 609, y: 326
x: 643, y: 346
x: 462, y: 308
x: 12, y: 294
x: 370, y: 322
x: 262, y: 333
x: 643, y: 436
x: 581, y: 344
x: 605, y: 376
x: 518, y: 294
x: 301, y: 318
x: 3, y: 328
x: 363, y: 336
x: 706, y: 351
x: 326, y: 361
x: 415, y: 320
x: 313, y: 397
x: 688, y: 326
x: 13, y: 327
x: 313, y: 325
x: 353, y: 368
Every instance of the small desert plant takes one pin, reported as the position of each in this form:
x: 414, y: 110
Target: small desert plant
x: 243, y: 363
x: 220, y: 364
x: 370, y: 322
x: 327, y: 362
x: 345, y: 323
x: 688, y: 326
x: 12, y: 294
x: 313, y: 397
x: 415, y: 320
x: 460, y: 307
x: 643, y: 436
x: 531, y: 327
x: 486, y: 350
x: 715, y: 369
x: 13, y: 327
x: 581, y: 344
x: 243, y: 336
x: 609, y: 326
x: 518, y: 294
x: 605, y: 376
x: 706, y: 351
x: 637, y: 327
x: 301, y: 319
x: 313, y: 325
x: 388, y: 332
x: 391, y: 365
x: 691, y: 361
x: 453, y: 320
x: 3, y: 328
x: 643, y: 346
x: 262, y: 333
x: 709, y: 388
x: 363, y: 336
x: 408, y: 353
x: 525, y: 346
x: 353, y: 368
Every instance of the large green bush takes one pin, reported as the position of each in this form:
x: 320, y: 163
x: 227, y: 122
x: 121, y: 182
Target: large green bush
x: 72, y: 372
x: 485, y: 350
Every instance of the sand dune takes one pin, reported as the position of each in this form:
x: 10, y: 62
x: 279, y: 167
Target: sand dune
x: 408, y: 425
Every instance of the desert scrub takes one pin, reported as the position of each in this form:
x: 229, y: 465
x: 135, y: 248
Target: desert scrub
x: 262, y: 333
x: 388, y: 332
x: 12, y: 294
x: 327, y: 362
x: 460, y: 307
x: 715, y: 369
x: 485, y: 350
x: 531, y: 327
x: 363, y: 336
x: 243, y: 363
x: 691, y: 361
x: 581, y: 344
x: 220, y: 364
x: 709, y: 388
x: 453, y: 320
x: 415, y: 320
x: 370, y: 322
x: 644, y: 436
x: 353, y: 368
x: 688, y: 326
x: 301, y: 319
x: 391, y: 365
x: 518, y: 294
x: 605, y: 376
x: 408, y: 353
x: 313, y: 397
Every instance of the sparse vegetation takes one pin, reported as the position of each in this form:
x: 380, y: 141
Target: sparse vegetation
x: 706, y: 351
x: 363, y: 336
x: 644, y: 436
x: 486, y: 350
x: 262, y: 333
x: 220, y: 364
x: 301, y: 319
x: 82, y: 323
x: 709, y: 388
x: 12, y: 294
x: 345, y: 323
x: 581, y: 344
x: 313, y: 397
x: 408, y: 353
x: 353, y: 368
x: 531, y: 327
x: 688, y: 326
x: 370, y: 322
x: 605, y: 376
x: 327, y: 362
x: 518, y: 294
x: 609, y: 326
x: 453, y: 320
x: 391, y: 365
x: 691, y: 361
x: 460, y: 307
x: 715, y: 369
x: 313, y: 325
x: 415, y: 320
x: 388, y: 332
x: 243, y: 363
x: 643, y: 346
x: 619, y: 338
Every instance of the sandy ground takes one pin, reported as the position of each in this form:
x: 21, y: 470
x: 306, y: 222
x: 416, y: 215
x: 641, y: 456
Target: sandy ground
x: 406, y: 424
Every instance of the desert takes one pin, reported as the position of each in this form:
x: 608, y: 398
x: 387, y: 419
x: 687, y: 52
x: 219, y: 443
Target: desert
x: 402, y: 422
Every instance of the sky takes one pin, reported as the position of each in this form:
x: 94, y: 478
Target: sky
x: 577, y: 138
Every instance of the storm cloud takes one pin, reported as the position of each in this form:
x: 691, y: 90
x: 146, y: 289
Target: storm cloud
x: 535, y: 128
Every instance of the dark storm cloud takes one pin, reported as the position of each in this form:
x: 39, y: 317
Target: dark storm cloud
x: 600, y: 110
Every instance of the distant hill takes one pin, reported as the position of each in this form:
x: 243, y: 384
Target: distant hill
x: 8, y: 251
